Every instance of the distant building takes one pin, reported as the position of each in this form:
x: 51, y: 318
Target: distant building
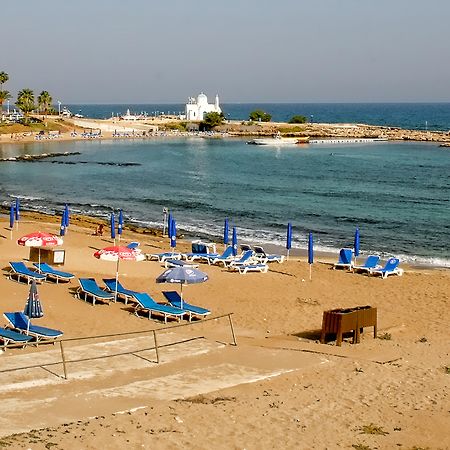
x: 197, y: 108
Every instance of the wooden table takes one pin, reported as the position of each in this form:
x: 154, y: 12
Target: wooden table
x: 339, y: 321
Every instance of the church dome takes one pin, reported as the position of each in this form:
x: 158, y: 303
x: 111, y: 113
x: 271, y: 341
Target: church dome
x: 202, y: 99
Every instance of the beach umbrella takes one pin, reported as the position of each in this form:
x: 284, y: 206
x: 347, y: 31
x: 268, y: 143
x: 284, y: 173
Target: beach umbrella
x: 66, y: 216
x: 113, y: 228
x: 169, y: 224
x: 234, y: 241
x: 120, y: 224
x: 33, y: 307
x: 288, y: 239
x: 62, y: 228
x: 356, y: 243
x: 119, y: 253
x: 40, y: 239
x: 173, y: 234
x: 310, y: 253
x: 225, y: 232
x: 182, y: 276
x: 11, y: 218
x: 17, y: 212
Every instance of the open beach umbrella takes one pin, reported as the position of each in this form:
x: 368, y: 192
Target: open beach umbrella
x: 234, y: 241
x: 225, y: 232
x: 40, y: 239
x: 113, y: 228
x: 17, y: 212
x: 356, y: 243
x: 173, y: 234
x: 181, y: 276
x: 288, y: 239
x: 120, y: 224
x: 118, y: 253
x: 310, y: 253
x: 11, y: 218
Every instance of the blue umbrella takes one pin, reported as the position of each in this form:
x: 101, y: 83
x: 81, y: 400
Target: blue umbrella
x: 120, y: 224
x: 225, y: 232
x: 169, y: 225
x: 356, y: 243
x: 62, y: 229
x: 113, y: 228
x: 66, y: 216
x: 288, y: 239
x: 310, y: 253
x: 181, y: 276
x: 33, y: 307
x: 173, y: 235
x: 17, y: 210
x: 234, y: 241
x: 11, y: 218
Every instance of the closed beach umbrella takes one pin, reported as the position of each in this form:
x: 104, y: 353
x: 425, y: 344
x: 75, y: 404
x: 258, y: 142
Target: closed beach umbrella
x: 40, y: 239
x: 181, y: 276
x: 310, y: 253
x: 225, y: 232
x: 169, y: 225
x: 173, y: 234
x: 33, y: 307
x: 118, y: 253
x: 62, y: 228
x: 356, y: 243
x: 11, y: 218
x: 113, y: 228
x: 66, y: 216
x: 288, y: 239
x: 234, y: 241
x: 120, y: 224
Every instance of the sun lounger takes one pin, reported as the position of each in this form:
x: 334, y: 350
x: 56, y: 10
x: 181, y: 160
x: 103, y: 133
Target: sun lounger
x: 173, y: 297
x: 245, y: 247
x: 244, y: 268
x: 225, y: 257
x: 146, y: 303
x: 391, y: 268
x: 53, y: 274
x: 20, y: 271
x: 179, y: 263
x: 345, y: 259
x: 12, y: 337
x: 200, y: 252
x: 122, y: 292
x: 89, y: 288
x: 244, y: 259
x: 266, y: 258
x: 370, y: 263
x: 161, y: 257
x: 20, y: 322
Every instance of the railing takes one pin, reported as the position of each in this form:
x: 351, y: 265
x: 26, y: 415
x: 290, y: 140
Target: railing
x: 64, y: 361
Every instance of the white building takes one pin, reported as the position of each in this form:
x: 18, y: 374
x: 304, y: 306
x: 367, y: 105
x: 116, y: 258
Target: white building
x: 197, y: 108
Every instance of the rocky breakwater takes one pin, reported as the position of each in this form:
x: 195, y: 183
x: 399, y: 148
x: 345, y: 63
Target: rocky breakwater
x: 32, y: 158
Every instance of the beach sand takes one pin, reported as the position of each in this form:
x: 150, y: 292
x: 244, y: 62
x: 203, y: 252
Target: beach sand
x: 278, y: 388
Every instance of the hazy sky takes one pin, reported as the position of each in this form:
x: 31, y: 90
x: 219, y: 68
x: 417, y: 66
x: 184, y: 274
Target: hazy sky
x: 142, y: 51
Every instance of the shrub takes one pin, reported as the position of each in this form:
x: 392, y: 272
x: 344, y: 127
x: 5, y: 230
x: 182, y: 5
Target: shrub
x: 298, y: 119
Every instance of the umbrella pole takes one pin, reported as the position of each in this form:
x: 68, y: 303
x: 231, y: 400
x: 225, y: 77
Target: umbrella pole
x: 181, y: 296
x: 39, y: 259
x: 310, y: 271
x: 117, y: 279
x: 287, y: 254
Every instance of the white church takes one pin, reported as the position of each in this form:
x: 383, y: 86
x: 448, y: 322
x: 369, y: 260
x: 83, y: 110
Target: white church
x: 197, y: 108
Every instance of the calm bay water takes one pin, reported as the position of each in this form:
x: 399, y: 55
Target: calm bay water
x: 397, y: 193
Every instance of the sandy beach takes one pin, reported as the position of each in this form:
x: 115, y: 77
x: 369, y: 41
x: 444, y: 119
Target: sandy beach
x: 278, y: 388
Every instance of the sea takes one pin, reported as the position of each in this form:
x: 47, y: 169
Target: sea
x: 396, y: 193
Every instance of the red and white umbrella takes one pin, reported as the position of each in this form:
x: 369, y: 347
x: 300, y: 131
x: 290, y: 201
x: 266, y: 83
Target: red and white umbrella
x: 40, y: 239
x: 118, y: 253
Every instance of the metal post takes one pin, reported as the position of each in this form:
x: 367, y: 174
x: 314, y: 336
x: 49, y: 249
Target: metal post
x: 165, y: 212
x: 156, y: 346
x: 232, y: 330
x: 63, y: 359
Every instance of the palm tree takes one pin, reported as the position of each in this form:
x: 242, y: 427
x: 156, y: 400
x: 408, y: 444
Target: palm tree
x: 44, y: 101
x: 25, y: 101
x: 4, y: 77
x: 4, y: 96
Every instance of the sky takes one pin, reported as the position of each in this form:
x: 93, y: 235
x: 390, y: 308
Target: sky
x: 142, y: 51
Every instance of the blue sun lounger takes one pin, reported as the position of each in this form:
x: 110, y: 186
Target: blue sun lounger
x: 391, y: 268
x: 225, y: 257
x: 52, y: 273
x: 126, y: 294
x: 13, y: 337
x: 146, y: 303
x: 249, y: 267
x: 345, y: 259
x: 89, y: 288
x: 245, y: 258
x: 266, y: 258
x: 370, y: 263
x: 19, y: 270
x: 20, y: 322
x: 173, y: 297
x: 200, y: 251
x: 161, y: 257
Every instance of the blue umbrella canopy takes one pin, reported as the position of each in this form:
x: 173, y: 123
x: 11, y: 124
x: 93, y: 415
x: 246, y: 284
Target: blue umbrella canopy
x: 289, y: 236
x: 234, y: 241
x: 310, y: 252
x: 66, y: 216
x: 169, y: 225
x: 120, y: 223
x: 113, y: 226
x: 225, y: 232
x: 17, y: 209
x: 62, y: 228
x: 12, y: 216
x: 33, y: 307
x: 173, y: 234
x: 356, y: 243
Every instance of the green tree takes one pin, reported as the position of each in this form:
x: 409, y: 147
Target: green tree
x: 4, y: 77
x: 298, y: 119
x: 44, y: 102
x: 260, y: 116
x: 4, y: 96
x: 25, y: 101
x: 212, y: 119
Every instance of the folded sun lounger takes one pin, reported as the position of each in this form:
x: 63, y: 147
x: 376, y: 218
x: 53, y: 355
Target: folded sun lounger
x: 266, y: 258
x: 19, y: 321
x: 52, y: 273
x: 345, y: 259
x: 12, y: 337
x: 89, y: 288
x: 146, y: 303
x: 370, y: 263
x: 173, y: 297
x: 19, y: 270
x: 391, y: 268
x: 122, y: 292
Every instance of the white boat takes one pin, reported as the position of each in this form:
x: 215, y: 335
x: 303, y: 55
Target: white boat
x: 277, y: 140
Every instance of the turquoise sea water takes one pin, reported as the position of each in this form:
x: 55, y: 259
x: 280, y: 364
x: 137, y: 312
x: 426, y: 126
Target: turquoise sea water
x: 397, y: 193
